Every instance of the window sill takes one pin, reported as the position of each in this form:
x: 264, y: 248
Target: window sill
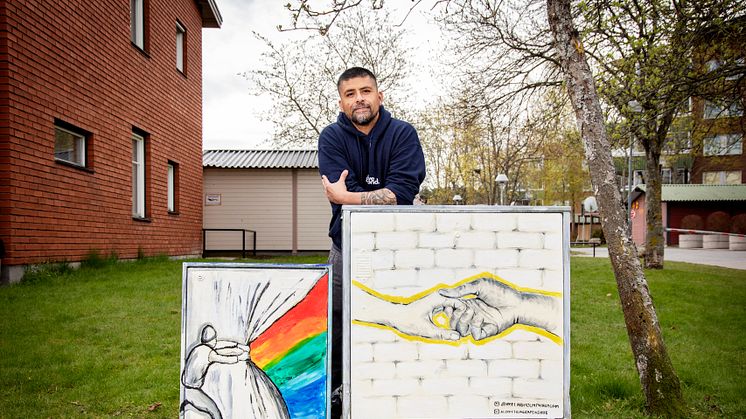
x: 142, y: 219
x: 140, y: 50
x: 181, y: 73
x: 74, y: 166
x: 174, y: 213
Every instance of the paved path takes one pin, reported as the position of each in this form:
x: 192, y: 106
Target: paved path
x: 716, y: 257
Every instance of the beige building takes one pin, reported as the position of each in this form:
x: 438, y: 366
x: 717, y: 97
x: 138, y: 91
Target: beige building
x: 275, y: 193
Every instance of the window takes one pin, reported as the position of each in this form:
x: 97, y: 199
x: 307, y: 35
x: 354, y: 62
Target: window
x: 138, y: 175
x: 70, y: 144
x: 137, y: 23
x: 172, y: 175
x: 722, y: 109
x: 180, y: 47
x: 722, y: 177
x: 638, y: 177
x: 723, y: 144
x: 666, y: 175
x: 682, y: 175
x: 733, y: 73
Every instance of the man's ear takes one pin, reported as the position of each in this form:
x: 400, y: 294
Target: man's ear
x: 380, y: 96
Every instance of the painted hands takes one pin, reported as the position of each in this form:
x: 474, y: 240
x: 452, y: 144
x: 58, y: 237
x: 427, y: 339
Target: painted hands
x: 481, y: 308
x: 485, y: 308
x: 493, y: 308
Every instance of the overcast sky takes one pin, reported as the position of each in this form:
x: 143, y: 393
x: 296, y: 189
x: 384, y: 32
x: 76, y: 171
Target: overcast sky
x: 230, y: 113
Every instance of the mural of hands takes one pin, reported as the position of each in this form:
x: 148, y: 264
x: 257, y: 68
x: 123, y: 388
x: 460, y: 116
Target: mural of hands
x: 485, y: 307
x: 482, y: 308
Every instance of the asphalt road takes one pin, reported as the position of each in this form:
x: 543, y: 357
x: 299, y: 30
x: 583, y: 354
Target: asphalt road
x: 715, y: 257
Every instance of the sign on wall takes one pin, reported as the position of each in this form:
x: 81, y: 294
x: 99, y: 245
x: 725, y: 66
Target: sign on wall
x: 254, y: 341
x: 456, y: 312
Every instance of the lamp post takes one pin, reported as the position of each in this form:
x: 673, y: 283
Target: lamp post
x: 457, y: 199
x: 502, y: 180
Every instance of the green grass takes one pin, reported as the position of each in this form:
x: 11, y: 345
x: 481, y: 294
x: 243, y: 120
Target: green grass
x: 103, y: 341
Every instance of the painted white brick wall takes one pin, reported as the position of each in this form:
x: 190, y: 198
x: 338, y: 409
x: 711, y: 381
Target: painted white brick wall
x: 396, y: 240
x: 437, y: 240
x: 410, y: 253
x: 414, y: 258
x: 415, y: 222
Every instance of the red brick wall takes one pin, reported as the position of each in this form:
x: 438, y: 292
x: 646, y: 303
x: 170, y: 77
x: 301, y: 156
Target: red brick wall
x: 73, y: 60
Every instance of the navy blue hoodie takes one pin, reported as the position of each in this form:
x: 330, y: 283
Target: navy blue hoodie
x: 389, y: 157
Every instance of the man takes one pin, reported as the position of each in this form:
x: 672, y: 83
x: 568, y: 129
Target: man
x: 365, y: 158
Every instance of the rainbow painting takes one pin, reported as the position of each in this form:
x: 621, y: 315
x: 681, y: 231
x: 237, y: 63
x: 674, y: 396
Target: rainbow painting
x: 293, y: 353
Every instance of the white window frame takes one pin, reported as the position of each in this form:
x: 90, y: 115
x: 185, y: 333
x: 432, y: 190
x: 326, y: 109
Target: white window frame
x: 721, y: 177
x: 180, y: 46
x: 638, y: 177
x: 171, y: 186
x: 682, y: 175
x: 138, y: 176
x: 666, y: 175
x: 713, y: 110
x: 78, y: 151
x: 723, y: 145
x: 137, y: 22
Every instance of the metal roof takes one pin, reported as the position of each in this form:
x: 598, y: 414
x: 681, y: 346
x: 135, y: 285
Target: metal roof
x: 261, y: 159
x: 692, y: 192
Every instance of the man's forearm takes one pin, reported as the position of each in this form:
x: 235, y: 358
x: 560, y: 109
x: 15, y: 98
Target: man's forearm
x: 382, y: 196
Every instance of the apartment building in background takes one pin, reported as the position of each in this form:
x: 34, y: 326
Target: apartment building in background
x: 100, y: 129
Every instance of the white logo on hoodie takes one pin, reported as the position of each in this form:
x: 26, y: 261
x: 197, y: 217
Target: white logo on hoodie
x: 370, y: 180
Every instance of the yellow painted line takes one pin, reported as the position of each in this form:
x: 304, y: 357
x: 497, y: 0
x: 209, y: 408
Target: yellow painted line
x: 466, y: 339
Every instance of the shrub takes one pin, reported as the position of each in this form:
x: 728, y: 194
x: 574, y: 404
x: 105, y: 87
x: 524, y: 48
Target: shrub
x: 718, y: 221
x: 692, y: 222
x: 599, y: 234
x: 738, y: 224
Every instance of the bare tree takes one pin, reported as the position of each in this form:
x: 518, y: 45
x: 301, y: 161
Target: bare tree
x: 300, y: 75
x: 659, y: 381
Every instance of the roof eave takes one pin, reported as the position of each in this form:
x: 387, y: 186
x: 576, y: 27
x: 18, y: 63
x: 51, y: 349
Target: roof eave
x: 211, y: 17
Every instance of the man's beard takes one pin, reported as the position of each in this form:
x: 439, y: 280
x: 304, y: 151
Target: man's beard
x: 364, y: 119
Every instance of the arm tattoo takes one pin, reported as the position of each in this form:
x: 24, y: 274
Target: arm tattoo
x: 381, y: 196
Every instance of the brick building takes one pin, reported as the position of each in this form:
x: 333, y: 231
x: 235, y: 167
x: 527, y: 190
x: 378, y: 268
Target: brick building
x: 101, y: 129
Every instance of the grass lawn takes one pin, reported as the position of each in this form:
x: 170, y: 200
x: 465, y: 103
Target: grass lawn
x: 103, y: 341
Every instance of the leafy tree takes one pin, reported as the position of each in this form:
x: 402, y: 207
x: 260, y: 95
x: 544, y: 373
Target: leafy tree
x: 659, y: 381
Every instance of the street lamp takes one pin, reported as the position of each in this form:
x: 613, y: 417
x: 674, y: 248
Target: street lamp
x: 457, y: 199
x: 502, y: 180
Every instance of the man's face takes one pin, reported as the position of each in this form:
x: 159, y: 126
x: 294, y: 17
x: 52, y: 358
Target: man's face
x: 360, y: 99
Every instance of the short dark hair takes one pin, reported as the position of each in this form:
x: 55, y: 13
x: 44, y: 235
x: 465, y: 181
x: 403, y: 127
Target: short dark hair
x: 354, y: 72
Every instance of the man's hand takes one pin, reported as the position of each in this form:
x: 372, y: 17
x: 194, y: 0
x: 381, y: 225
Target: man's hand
x: 336, y: 192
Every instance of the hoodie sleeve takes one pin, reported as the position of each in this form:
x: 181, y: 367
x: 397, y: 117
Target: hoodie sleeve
x: 407, y: 166
x: 333, y: 159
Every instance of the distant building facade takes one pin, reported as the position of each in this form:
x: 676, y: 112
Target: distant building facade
x: 101, y: 129
x: 275, y: 193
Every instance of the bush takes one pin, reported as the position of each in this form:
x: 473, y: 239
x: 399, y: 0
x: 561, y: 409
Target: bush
x: 718, y: 221
x: 738, y: 224
x: 599, y: 234
x: 692, y: 222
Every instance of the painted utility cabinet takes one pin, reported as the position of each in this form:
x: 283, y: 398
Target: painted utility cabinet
x: 456, y: 312
x: 254, y: 341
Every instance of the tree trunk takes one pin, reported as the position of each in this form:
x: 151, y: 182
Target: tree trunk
x: 657, y: 376
x: 654, y: 238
